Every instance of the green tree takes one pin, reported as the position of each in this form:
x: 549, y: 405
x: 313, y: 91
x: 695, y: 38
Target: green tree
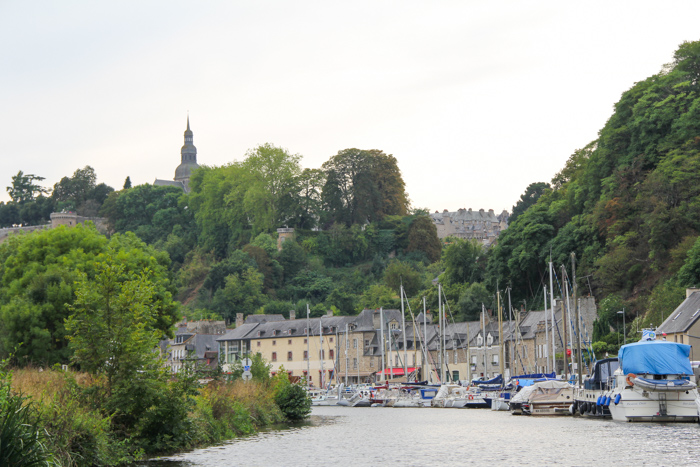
x: 37, y: 284
x: 527, y: 199
x: 398, y: 273
x: 127, y: 183
x: 24, y: 189
x: 240, y: 294
x: 273, y: 177
x: 464, y: 261
x: 362, y: 186
x: 422, y: 236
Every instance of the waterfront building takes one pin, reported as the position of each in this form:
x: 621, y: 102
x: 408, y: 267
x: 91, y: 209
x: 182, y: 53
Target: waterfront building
x: 683, y: 324
x: 194, y: 342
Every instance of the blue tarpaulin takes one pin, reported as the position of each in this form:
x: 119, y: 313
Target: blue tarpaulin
x: 655, y: 358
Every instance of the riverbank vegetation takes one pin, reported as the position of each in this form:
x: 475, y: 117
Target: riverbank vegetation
x: 63, y: 417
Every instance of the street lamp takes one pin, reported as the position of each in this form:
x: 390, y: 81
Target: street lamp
x: 624, y: 332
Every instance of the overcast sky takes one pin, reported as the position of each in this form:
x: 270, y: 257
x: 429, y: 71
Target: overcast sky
x: 476, y: 99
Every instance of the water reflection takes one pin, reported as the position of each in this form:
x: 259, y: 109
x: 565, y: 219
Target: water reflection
x: 377, y: 436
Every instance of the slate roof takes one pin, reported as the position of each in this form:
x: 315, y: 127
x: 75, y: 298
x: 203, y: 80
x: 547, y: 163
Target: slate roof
x: 683, y: 317
x: 263, y: 318
x: 287, y: 328
x: 239, y: 333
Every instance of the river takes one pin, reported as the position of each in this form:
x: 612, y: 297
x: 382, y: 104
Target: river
x: 345, y: 436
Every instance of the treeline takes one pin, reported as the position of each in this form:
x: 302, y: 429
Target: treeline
x: 32, y: 204
x: 627, y: 204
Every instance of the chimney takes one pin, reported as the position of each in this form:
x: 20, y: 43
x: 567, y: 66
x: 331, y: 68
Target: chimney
x: 329, y: 313
x: 292, y: 314
x: 239, y: 319
x: 691, y: 291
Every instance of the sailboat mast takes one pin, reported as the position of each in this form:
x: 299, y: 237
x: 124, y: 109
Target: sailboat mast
x: 551, y: 305
x: 511, y: 355
x: 320, y: 337
x: 500, y: 332
x: 565, y: 319
x: 440, y: 332
x: 546, y: 332
x: 346, y: 353
x: 579, y: 356
x: 483, y: 340
x: 308, y: 350
x: 383, y: 347
x: 403, y: 332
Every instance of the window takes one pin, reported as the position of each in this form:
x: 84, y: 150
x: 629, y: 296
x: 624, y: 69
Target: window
x: 394, y: 325
x: 354, y: 363
x: 274, y: 356
x: 455, y: 375
x: 306, y: 341
x: 489, y: 340
x: 274, y: 332
x: 289, y: 356
x: 306, y: 355
x: 258, y: 343
x: 331, y: 354
x: 234, y: 346
x: 371, y: 362
x: 474, y: 360
x: 479, y: 341
x: 354, y: 343
x: 455, y: 357
x: 367, y: 341
x: 414, y: 359
x: 322, y: 354
x: 494, y: 359
x: 330, y: 339
x: 289, y: 342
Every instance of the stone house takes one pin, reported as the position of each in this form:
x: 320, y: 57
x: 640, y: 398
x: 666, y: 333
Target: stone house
x: 683, y: 324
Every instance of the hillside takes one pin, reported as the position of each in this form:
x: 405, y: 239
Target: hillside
x: 627, y: 204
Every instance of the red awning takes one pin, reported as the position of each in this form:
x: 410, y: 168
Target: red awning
x: 395, y: 371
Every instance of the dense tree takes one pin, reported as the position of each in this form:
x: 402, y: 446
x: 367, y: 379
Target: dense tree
x: 24, y: 189
x: 464, y: 261
x: 527, y: 199
x: 273, y: 181
x: 127, y: 183
x: 362, y: 186
x: 398, y: 273
x: 37, y: 282
x: 151, y: 212
x: 81, y: 192
x: 422, y: 236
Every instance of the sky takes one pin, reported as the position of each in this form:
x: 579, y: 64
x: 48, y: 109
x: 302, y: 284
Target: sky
x: 475, y: 99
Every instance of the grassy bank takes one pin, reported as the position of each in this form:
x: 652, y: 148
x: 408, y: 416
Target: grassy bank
x: 74, y: 427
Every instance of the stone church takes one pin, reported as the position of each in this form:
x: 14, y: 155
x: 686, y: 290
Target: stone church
x: 188, y: 162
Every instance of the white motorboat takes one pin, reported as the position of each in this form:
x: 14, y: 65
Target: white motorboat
x: 553, y: 397
x: 653, y: 384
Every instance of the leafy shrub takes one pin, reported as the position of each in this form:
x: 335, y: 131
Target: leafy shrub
x: 294, y: 402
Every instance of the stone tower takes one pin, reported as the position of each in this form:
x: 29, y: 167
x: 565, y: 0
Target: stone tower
x: 188, y: 159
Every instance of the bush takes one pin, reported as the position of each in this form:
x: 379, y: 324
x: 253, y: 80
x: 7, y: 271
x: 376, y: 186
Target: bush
x: 294, y: 402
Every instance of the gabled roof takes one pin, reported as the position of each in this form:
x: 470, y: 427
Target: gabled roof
x: 683, y: 317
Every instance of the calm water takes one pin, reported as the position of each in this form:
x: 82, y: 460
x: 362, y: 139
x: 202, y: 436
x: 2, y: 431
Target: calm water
x: 418, y: 437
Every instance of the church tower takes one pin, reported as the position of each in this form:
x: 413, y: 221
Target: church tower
x: 188, y: 159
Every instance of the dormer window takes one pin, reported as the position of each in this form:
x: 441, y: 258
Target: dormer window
x: 274, y: 332
x: 489, y: 340
x: 479, y: 341
x: 259, y: 333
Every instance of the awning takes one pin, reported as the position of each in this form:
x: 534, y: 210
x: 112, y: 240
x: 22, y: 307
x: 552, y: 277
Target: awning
x: 395, y: 371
